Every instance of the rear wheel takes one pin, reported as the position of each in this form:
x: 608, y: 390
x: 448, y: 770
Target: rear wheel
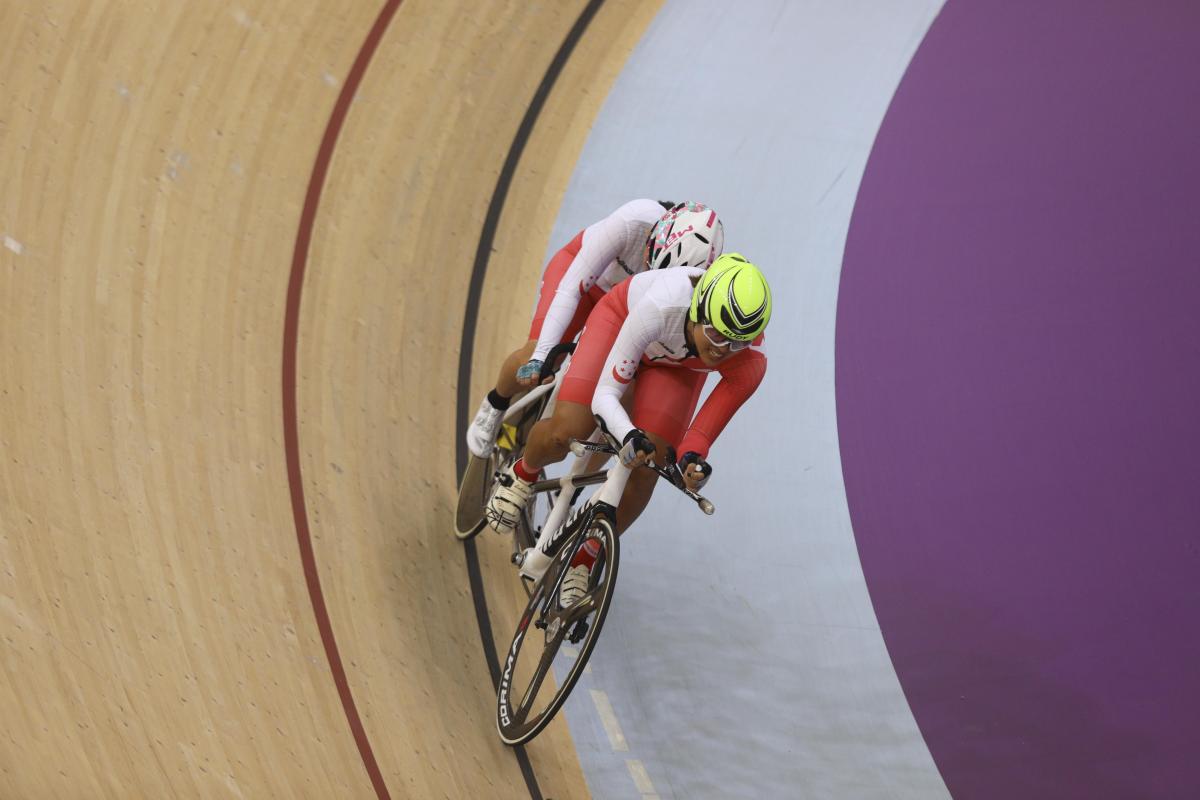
x: 551, y: 643
x: 473, y: 493
x: 479, y: 478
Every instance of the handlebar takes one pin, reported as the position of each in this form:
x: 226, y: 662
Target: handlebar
x: 549, y: 366
x: 669, y: 474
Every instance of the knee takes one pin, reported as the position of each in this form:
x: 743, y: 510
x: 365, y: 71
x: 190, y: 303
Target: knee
x: 560, y: 434
x: 571, y: 421
x: 553, y: 436
x: 522, y: 353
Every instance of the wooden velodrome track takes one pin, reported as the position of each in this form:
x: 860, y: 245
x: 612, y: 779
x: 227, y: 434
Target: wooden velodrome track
x: 239, y: 240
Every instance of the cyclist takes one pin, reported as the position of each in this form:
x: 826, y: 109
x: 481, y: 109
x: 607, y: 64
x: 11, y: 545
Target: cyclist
x: 637, y: 236
x: 670, y: 329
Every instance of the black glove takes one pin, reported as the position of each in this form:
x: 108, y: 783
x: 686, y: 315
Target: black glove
x: 636, y: 446
x: 692, y: 458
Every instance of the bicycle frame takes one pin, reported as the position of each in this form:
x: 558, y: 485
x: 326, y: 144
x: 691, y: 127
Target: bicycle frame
x: 533, y: 562
x: 532, y: 396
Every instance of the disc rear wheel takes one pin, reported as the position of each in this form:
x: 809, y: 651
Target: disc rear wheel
x: 473, y: 496
x: 478, y: 480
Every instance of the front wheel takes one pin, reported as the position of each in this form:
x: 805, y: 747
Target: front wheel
x: 551, y: 641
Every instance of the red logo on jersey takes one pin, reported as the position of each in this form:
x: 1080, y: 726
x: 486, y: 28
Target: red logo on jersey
x: 626, y: 366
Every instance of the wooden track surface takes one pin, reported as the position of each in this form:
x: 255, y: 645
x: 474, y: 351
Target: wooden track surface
x: 158, y: 634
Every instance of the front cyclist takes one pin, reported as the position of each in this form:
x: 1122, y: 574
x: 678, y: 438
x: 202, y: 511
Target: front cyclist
x: 669, y: 328
x: 636, y: 237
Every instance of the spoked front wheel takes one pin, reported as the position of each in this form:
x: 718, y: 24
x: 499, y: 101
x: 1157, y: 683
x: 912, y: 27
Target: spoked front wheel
x: 551, y: 645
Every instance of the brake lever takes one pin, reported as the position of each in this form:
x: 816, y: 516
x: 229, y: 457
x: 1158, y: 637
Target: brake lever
x: 579, y: 448
x: 669, y: 473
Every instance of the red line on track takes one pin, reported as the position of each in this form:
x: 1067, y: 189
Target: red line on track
x: 291, y: 434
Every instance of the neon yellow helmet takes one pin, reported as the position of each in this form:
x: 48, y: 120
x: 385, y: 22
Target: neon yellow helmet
x: 733, y: 297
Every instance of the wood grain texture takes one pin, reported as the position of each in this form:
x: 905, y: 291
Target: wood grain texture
x: 158, y: 638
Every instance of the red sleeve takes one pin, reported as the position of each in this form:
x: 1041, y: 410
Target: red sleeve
x: 739, y: 378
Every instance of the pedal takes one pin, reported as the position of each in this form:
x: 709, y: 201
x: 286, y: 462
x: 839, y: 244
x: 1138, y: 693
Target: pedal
x: 578, y: 632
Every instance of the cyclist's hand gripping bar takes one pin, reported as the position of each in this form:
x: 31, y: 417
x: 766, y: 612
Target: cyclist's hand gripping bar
x: 550, y: 365
x: 579, y: 448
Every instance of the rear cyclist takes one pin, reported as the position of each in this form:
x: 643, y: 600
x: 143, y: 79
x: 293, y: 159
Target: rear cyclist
x: 636, y: 237
x: 670, y: 329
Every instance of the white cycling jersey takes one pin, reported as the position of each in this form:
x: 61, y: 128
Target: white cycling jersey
x: 653, y: 333
x: 612, y: 250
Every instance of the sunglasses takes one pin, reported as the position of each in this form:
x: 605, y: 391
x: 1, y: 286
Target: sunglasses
x: 719, y: 340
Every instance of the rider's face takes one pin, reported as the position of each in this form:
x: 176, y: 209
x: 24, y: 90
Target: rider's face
x: 709, y: 353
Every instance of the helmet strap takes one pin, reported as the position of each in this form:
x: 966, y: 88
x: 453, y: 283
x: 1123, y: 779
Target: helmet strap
x: 648, y: 250
x: 689, y: 338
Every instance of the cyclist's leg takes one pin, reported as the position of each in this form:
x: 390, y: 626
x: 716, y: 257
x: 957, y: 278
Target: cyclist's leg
x: 506, y: 382
x: 663, y: 406
x: 550, y: 439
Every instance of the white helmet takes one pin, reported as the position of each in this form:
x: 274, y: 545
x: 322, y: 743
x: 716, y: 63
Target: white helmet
x: 688, y: 235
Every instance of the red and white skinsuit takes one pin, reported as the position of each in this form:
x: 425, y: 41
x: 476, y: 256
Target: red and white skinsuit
x: 637, y: 330
x: 588, y: 267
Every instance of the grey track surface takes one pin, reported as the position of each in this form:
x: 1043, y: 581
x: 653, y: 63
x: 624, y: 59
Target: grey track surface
x: 742, y: 656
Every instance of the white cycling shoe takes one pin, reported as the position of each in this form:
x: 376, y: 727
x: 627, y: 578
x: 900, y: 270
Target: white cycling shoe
x: 482, y: 433
x: 504, y: 509
x: 574, y: 585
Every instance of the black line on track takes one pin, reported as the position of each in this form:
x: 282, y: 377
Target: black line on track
x: 487, y: 236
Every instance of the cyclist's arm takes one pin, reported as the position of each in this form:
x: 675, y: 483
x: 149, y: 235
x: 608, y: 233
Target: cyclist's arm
x: 641, y: 327
x: 738, y: 382
x: 602, y: 242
